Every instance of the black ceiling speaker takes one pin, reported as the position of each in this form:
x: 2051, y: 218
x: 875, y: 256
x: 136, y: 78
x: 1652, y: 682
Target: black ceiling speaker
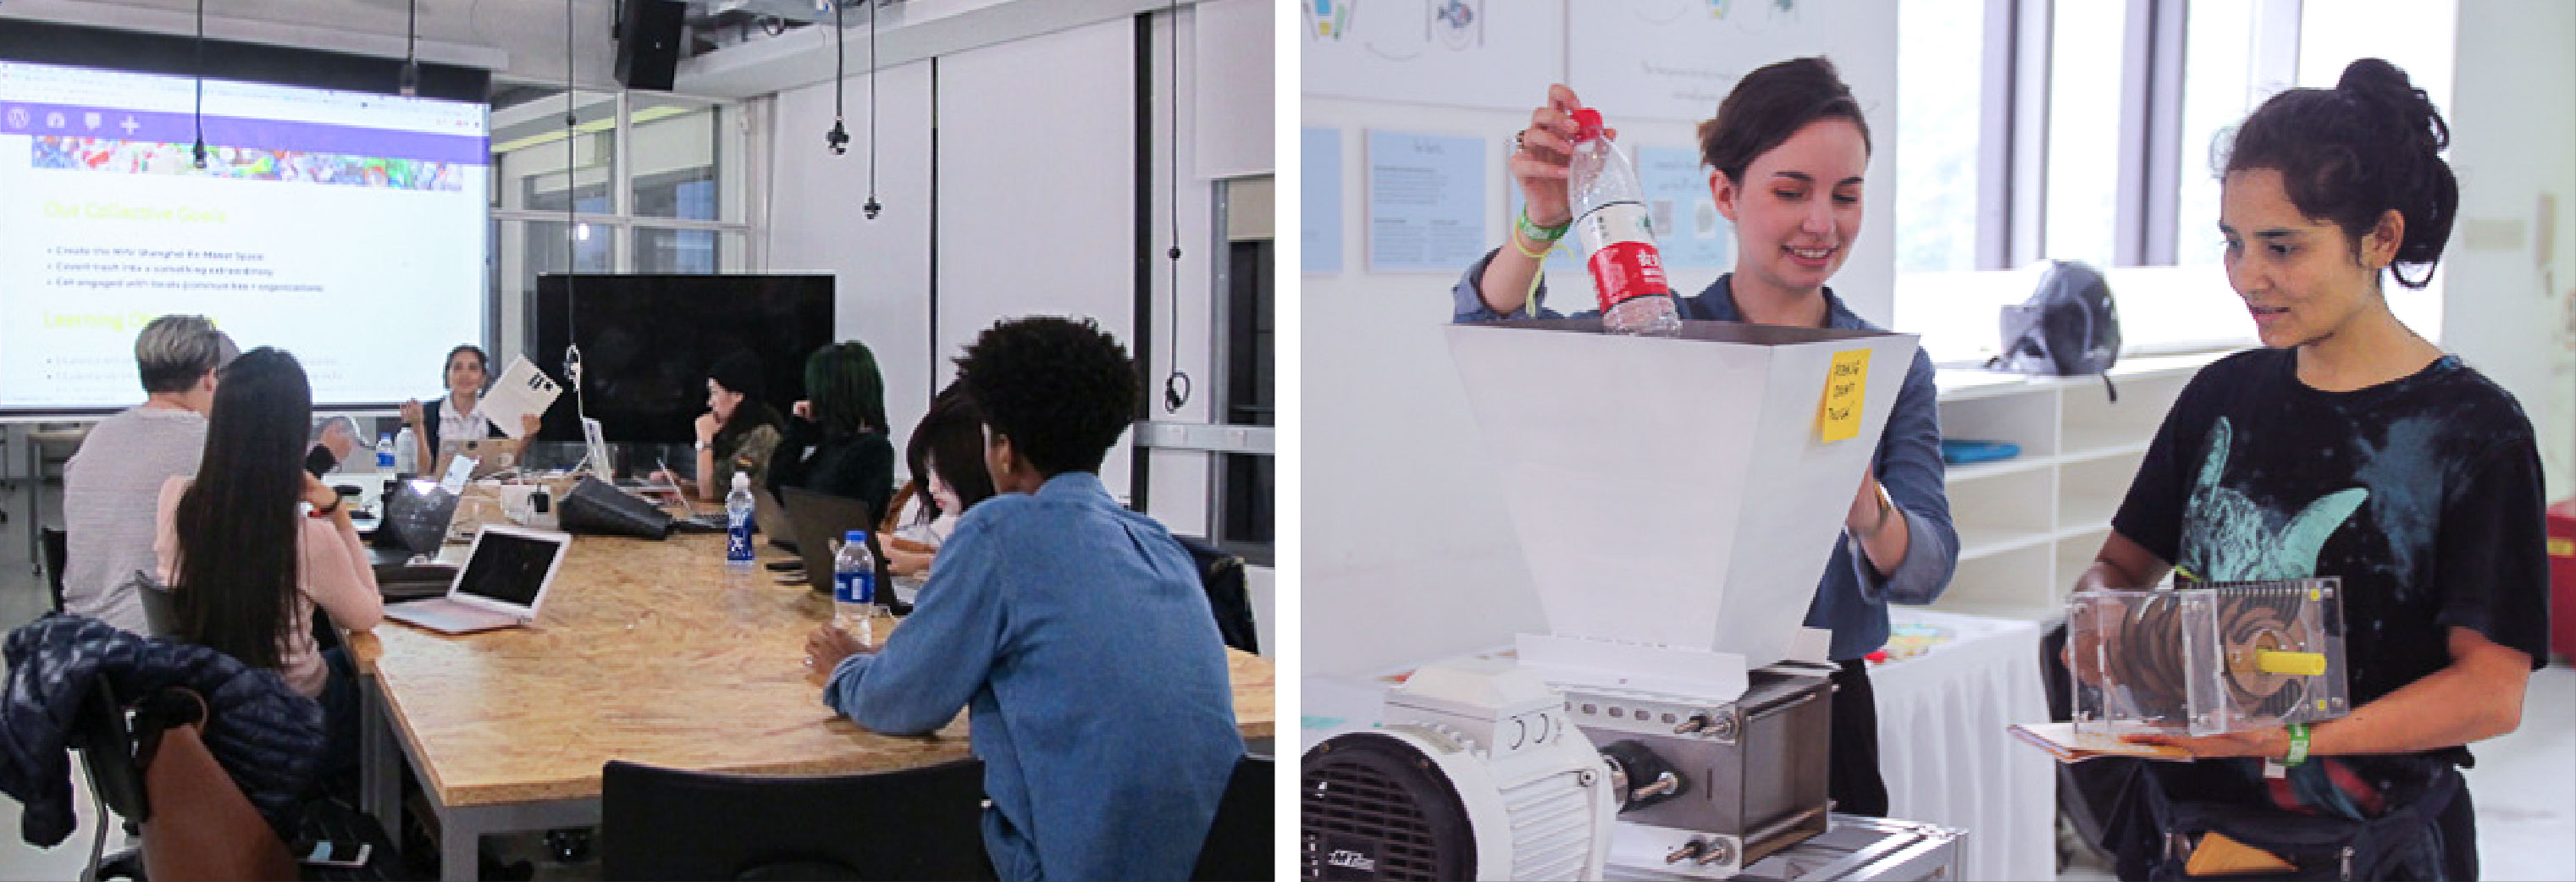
x: 648, y: 43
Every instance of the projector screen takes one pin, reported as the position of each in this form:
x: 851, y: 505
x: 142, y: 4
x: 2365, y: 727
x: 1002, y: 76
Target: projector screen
x: 348, y: 228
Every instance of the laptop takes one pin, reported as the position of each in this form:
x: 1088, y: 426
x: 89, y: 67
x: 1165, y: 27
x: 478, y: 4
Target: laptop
x: 504, y: 580
x: 490, y: 458
x: 821, y: 519
x: 772, y: 518
x: 411, y: 527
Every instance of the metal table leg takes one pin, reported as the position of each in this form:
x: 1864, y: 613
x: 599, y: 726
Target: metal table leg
x: 379, y: 758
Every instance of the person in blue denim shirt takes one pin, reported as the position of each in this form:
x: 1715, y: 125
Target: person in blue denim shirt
x: 1074, y: 632
x: 1786, y: 152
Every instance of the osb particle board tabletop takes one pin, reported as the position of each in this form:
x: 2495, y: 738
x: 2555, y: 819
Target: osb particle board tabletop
x: 648, y: 652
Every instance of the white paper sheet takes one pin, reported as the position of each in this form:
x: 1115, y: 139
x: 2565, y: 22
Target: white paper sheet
x: 522, y: 391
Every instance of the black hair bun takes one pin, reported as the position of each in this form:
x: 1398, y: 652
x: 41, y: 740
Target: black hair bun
x: 2379, y: 85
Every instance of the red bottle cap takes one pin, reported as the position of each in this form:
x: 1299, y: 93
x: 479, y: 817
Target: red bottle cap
x: 1587, y: 122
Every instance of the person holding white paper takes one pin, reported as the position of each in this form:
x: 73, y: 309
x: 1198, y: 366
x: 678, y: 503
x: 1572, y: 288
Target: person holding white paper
x: 457, y: 414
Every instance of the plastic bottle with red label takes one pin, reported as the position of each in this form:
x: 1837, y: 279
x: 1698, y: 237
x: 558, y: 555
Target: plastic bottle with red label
x: 1618, y: 244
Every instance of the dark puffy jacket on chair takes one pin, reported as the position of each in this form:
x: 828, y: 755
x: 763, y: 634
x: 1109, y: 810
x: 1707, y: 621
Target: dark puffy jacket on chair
x: 267, y: 736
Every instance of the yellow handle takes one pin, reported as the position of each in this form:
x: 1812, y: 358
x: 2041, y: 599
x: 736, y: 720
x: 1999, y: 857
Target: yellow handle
x: 2305, y: 664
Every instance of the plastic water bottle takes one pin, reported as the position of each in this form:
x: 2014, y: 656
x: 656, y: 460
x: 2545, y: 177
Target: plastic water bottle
x: 1610, y: 220
x: 854, y: 588
x: 738, y: 524
x: 406, y: 453
x: 384, y: 452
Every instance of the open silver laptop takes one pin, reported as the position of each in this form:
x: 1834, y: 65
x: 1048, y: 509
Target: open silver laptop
x: 490, y: 456
x: 504, y: 581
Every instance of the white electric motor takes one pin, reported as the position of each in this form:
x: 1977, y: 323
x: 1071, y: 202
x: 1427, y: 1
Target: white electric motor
x: 1475, y: 773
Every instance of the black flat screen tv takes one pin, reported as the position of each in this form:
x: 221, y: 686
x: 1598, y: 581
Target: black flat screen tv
x: 647, y: 341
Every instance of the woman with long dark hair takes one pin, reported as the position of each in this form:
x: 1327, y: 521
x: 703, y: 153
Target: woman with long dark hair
x: 946, y: 456
x: 837, y: 443
x: 254, y: 542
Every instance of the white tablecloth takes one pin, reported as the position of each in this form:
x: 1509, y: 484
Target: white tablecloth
x: 1944, y: 752
x: 1941, y: 740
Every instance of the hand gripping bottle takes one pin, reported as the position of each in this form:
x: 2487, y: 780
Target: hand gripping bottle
x: 855, y: 607
x: 1610, y: 220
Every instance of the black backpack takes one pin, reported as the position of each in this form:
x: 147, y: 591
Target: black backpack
x: 2068, y: 327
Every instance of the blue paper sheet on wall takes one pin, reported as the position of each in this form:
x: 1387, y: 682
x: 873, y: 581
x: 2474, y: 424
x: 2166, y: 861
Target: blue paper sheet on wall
x: 1688, y: 229
x: 1319, y: 231
x: 1426, y: 202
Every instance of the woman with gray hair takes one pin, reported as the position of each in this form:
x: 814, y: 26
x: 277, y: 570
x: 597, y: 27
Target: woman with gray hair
x: 113, y: 481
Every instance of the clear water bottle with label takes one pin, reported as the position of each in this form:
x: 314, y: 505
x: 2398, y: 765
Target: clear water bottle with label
x: 738, y: 524
x: 855, y: 607
x: 384, y: 452
x: 1610, y: 220
x: 406, y: 453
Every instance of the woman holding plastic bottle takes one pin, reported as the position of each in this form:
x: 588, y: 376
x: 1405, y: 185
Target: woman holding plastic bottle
x: 1787, y: 153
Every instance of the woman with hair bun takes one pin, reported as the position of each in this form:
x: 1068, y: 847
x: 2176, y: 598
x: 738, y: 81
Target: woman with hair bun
x: 2348, y: 446
x: 1786, y: 154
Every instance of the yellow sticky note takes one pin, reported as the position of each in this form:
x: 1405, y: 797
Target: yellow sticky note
x: 1846, y: 385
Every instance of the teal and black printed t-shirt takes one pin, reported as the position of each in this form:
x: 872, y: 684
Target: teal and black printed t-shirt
x: 2423, y: 494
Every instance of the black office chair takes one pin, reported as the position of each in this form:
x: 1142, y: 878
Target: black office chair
x: 57, y: 548
x: 1240, y: 844
x: 1221, y: 573
x: 926, y: 823
x: 106, y: 747
x: 110, y: 742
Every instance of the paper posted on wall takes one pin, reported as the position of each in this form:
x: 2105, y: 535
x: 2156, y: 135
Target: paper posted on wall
x: 523, y: 390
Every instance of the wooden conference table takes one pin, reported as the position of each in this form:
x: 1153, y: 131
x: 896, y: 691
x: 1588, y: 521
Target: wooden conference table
x: 643, y: 651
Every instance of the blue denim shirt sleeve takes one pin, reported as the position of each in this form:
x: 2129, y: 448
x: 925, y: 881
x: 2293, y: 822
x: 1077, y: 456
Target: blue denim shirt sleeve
x: 937, y: 660
x: 1467, y: 305
x: 1909, y: 466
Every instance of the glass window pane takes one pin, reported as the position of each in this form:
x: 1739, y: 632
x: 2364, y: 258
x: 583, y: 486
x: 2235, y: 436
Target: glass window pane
x: 2083, y: 131
x: 688, y: 251
x: 524, y: 250
x: 681, y: 151
x: 2218, y: 90
x: 1937, y: 128
x: 529, y: 154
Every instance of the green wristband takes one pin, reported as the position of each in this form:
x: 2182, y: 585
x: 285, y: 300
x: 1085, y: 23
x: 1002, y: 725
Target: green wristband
x: 1538, y: 235
x: 2298, y: 746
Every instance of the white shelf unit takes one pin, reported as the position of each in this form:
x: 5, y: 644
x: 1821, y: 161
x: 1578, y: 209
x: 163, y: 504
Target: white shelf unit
x: 2030, y: 524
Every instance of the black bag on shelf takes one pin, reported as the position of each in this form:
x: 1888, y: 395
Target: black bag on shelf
x: 2069, y: 326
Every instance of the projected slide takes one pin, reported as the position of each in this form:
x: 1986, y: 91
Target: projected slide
x: 348, y: 228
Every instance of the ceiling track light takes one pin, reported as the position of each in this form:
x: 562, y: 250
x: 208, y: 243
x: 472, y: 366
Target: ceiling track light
x: 1176, y: 387
x: 199, y: 115
x: 838, y: 139
x: 872, y: 207
x: 410, y: 82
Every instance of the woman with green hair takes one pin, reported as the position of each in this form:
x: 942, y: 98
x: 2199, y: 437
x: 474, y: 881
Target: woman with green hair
x: 837, y: 444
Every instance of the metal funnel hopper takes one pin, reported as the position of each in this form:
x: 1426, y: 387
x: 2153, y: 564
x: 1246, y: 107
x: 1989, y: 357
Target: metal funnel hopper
x: 1676, y: 493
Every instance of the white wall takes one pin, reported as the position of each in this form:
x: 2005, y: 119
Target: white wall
x: 1035, y: 197
x: 1407, y: 553
x: 881, y: 267
x: 2513, y: 138
x: 1036, y: 189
